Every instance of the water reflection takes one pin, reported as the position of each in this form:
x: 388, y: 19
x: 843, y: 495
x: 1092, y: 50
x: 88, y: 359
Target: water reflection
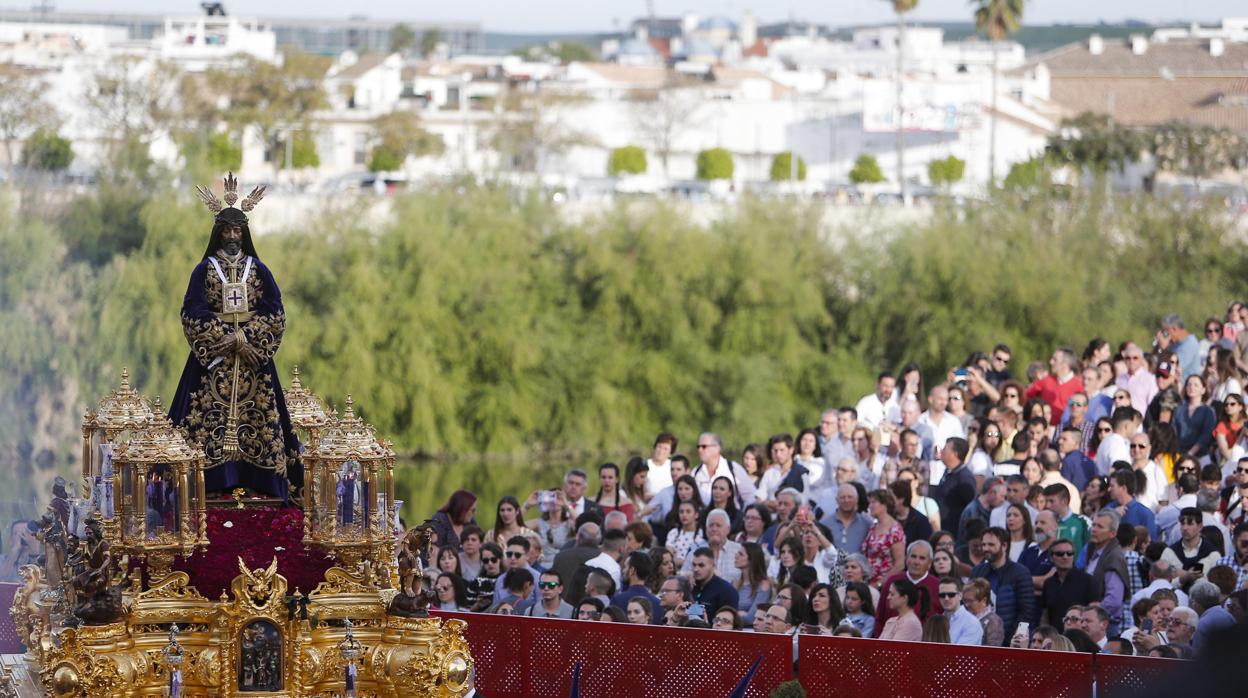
x: 424, y: 486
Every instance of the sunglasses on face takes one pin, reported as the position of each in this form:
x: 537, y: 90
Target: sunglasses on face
x: 1103, y: 430
x: 1062, y: 553
x: 1139, y: 445
x: 489, y: 560
x: 1078, y: 404
x: 1187, y: 470
x: 547, y: 585
x: 513, y: 555
x: 1002, y: 359
x: 949, y: 595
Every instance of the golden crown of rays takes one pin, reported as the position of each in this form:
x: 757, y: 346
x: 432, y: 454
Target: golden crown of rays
x: 231, y: 195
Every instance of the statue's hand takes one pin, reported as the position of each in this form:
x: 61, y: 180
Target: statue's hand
x: 222, y: 346
x: 249, y: 355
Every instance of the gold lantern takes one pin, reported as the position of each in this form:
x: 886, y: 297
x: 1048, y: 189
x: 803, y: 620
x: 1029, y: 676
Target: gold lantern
x: 104, y: 428
x: 162, y: 502
x: 306, y: 413
x: 349, y: 488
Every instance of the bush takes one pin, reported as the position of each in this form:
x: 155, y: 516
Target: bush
x: 1028, y: 175
x: 384, y: 159
x: 789, y: 689
x: 946, y: 171
x: 45, y: 150
x: 782, y: 165
x: 627, y: 160
x: 223, y: 154
x: 866, y: 170
x: 715, y: 163
x: 302, y: 152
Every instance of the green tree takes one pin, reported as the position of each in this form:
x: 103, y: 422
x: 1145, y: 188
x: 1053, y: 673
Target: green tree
x: 1028, y: 175
x: 402, y: 38
x: 996, y: 19
x: 398, y: 135
x: 532, y: 127
x: 429, y: 40
x: 629, y: 159
x: 274, y: 99
x: 1096, y: 143
x: 946, y: 171
x: 715, y: 163
x: 303, y: 152
x: 782, y: 167
x: 866, y: 170
x: 224, y: 155
x: 23, y: 110
x: 570, y: 51
x: 1196, y: 150
x: 900, y: 8
x: 47, y: 151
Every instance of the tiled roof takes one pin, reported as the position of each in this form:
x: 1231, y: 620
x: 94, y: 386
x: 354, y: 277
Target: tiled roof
x: 364, y: 64
x: 1141, y: 101
x: 1177, y: 58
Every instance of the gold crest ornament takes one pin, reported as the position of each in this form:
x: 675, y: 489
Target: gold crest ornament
x: 231, y: 196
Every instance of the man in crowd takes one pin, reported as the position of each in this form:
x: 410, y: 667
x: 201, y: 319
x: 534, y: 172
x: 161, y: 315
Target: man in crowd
x: 516, y: 557
x: 674, y: 594
x: 991, y: 495
x: 723, y: 552
x: 1193, y: 552
x: 964, y: 628
x: 787, y: 501
x: 1011, y: 582
x: 939, y: 423
x: 1137, y: 381
x: 1077, y: 467
x: 1166, y: 398
x: 829, y: 434
x: 1234, y: 500
x: 783, y: 472
x: 568, y: 561
x: 1059, y: 385
x: 1161, y: 575
x: 574, y: 491
x: 918, y: 567
x: 714, y: 465
x: 849, y: 526
x: 637, y: 569
x: 660, y: 504
x: 779, y: 620
x: 709, y: 589
x: 1238, y: 559
x: 909, y: 453
x: 598, y: 585
x: 1096, y: 623
x: 957, y: 487
x: 1116, y: 444
x: 659, y: 474
x: 1154, y: 476
x: 1068, y: 586
x: 613, y: 543
x: 1104, y: 560
x: 1174, y: 338
x: 1070, y: 525
x: 1187, y: 485
x: 1206, y: 600
x: 1016, y: 489
x: 1122, y: 487
x: 874, y: 408
x: 517, y: 587
x: 550, y: 604
x: 999, y: 365
x: 1051, y: 462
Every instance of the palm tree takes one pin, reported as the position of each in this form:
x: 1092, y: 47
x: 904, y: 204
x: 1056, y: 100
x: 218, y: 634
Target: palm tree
x: 996, y: 19
x: 901, y: 7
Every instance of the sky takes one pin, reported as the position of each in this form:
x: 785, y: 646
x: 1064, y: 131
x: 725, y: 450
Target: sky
x: 604, y: 15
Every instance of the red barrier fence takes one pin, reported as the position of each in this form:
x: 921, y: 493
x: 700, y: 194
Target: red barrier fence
x: 518, y: 656
x: 534, y: 657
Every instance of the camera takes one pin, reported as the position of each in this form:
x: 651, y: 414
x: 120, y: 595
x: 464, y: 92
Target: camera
x: 546, y: 501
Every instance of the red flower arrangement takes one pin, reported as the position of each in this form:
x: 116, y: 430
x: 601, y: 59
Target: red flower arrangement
x: 256, y: 535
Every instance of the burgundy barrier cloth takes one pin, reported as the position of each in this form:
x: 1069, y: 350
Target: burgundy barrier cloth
x: 10, y: 643
x: 523, y: 657
x: 851, y: 667
x: 1124, y: 676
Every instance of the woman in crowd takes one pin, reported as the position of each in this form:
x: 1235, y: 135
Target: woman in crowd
x: 808, y: 454
x: 958, y: 404
x: 1097, y: 351
x: 754, y: 460
x: 635, y: 474
x: 1224, y: 376
x: 639, y: 610
x: 858, y: 569
x: 554, y: 526
x: 793, y: 597
x: 589, y: 609
x: 860, y: 607
x: 664, y: 566
x: 986, y: 447
x: 820, y: 554
x: 686, y: 536
x: 727, y: 618
x: 885, y: 544
x: 1227, y: 433
x: 1165, y: 451
x: 508, y: 521
x: 686, y: 490
x: 753, y: 586
x: 755, y: 521
x: 1022, y: 534
x: 789, y: 555
x: 448, y: 561
x: 920, y: 503
x: 936, y: 629
x: 825, y: 608
x: 610, y: 496
x: 944, y: 540
x: 448, y: 522
x: 866, y: 456
x: 1095, y: 495
x: 915, y: 525
x: 976, y: 596
x: 1186, y: 464
x: 910, y: 384
x: 723, y: 496
x: 451, y: 592
x: 1103, y: 428
x: 942, y: 564
x: 613, y: 614
x: 1194, y: 420
x: 1032, y: 471
x: 904, y: 597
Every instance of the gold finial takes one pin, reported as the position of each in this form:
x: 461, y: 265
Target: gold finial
x: 349, y: 411
x: 294, y: 382
x: 125, y: 378
x: 231, y: 189
x: 156, y: 407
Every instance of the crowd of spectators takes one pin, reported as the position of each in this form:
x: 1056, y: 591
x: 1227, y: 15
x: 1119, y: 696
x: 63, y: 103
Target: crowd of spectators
x: 1095, y: 502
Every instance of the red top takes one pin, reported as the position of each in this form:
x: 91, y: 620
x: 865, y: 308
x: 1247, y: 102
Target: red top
x: 1054, y: 393
x: 882, y: 612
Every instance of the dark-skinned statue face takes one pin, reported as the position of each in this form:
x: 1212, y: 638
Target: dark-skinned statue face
x: 232, y: 239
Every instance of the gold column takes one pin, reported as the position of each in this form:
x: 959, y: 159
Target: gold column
x: 138, y: 507
x: 184, y: 513
x: 372, y: 495
x: 390, y: 496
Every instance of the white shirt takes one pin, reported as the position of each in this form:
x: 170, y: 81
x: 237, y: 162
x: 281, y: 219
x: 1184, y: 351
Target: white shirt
x: 836, y: 449
x: 981, y: 464
x: 941, y: 431
x: 1113, y: 448
x: 1157, y: 584
x: 1156, y: 489
x: 871, y: 411
x: 660, y: 476
x: 770, y: 483
x: 997, y: 517
x: 725, y: 563
x: 725, y: 468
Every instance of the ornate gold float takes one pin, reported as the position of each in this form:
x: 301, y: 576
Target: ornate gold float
x: 114, y: 635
